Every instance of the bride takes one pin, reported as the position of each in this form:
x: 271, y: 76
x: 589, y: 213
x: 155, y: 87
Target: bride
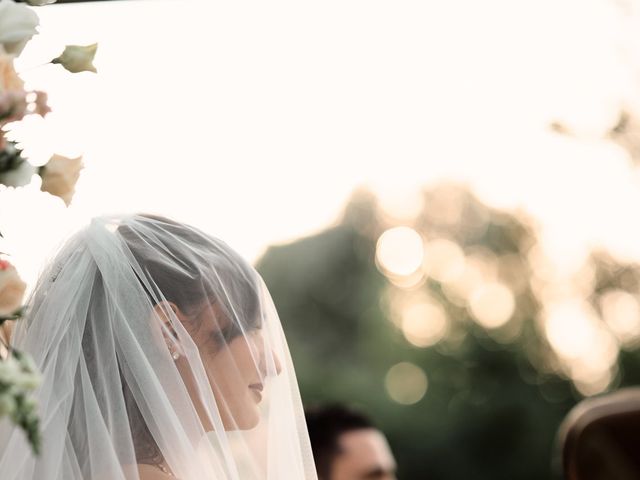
x: 162, y: 357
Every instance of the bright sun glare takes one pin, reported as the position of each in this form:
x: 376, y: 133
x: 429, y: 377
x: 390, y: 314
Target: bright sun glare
x: 258, y: 130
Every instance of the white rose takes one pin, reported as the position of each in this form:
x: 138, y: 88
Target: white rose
x: 78, y: 58
x: 7, y: 404
x: 17, y: 25
x: 27, y: 381
x: 18, y: 177
x: 27, y: 363
x: 10, y: 371
x: 11, y: 289
x: 59, y: 176
x: 9, y: 78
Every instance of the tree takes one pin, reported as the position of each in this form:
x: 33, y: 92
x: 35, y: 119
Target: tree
x: 471, y: 318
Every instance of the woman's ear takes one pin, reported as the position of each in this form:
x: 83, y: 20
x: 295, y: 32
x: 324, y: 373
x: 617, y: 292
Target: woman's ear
x: 164, y: 310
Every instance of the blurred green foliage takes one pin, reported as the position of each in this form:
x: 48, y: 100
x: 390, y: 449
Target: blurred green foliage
x: 495, y: 398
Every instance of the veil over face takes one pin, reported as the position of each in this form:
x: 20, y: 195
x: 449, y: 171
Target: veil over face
x: 160, y: 348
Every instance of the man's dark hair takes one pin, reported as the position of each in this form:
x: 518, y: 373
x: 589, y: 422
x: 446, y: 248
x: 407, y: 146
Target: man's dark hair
x: 325, y: 425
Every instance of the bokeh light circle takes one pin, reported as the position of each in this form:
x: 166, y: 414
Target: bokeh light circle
x: 406, y: 383
x: 621, y: 312
x: 571, y: 328
x: 492, y: 304
x: 400, y: 251
x: 444, y: 260
x: 424, y: 324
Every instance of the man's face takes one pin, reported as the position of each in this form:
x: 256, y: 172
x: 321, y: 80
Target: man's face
x: 364, y: 455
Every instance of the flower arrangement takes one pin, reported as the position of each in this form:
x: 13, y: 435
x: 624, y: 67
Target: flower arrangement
x: 18, y: 374
x: 18, y: 24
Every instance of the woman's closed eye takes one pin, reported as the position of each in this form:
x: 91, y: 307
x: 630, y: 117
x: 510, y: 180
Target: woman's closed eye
x: 224, y: 335
x: 219, y: 337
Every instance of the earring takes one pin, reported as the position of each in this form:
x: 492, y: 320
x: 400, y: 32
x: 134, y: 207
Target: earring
x: 175, y: 355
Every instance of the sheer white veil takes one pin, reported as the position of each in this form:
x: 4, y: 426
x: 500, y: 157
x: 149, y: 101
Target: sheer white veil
x: 160, y: 348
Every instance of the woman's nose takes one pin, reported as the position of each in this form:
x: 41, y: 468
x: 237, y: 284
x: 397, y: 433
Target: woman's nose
x: 268, y: 361
x: 276, y: 363
x: 270, y: 364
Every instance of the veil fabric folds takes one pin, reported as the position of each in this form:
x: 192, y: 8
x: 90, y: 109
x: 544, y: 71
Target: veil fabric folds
x: 160, y: 350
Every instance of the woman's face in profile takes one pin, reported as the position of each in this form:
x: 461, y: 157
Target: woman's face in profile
x: 236, y: 366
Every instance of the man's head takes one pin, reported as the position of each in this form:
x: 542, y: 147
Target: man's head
x: 346, y: 446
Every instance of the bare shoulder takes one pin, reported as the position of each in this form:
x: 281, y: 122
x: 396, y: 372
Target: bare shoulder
x: 151, y: 472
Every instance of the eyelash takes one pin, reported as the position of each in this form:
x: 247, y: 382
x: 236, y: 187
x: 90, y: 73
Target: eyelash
x: 224, y: 335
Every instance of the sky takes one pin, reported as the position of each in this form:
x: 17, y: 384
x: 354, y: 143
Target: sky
x: 256, y: 121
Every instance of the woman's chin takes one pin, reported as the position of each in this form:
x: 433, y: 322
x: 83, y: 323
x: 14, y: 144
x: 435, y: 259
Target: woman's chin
x: 249, y: 421
x: 246, y: 419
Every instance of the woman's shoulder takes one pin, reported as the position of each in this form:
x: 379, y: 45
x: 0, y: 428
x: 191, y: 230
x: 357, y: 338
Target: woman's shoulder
x: 151, y: 472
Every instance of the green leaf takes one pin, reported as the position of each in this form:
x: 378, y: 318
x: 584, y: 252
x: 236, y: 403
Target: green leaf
x: 26, y: 417
x: 15, y: 316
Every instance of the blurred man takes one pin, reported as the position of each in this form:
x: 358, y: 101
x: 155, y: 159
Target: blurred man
x: 346, y: 446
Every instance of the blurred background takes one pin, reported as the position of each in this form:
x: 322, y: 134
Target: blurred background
x: 442, y: 197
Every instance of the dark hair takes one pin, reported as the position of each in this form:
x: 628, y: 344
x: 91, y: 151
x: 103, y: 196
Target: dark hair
x: 326, y: 425
x: 188, y: 288
x: 185, y: 287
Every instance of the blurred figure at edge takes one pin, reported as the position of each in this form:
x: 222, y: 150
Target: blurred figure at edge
x: 347, y: 446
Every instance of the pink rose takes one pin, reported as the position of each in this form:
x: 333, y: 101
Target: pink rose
x: 9, y: 79
x: 13, y: 106
x: 41, y: 106
x: 59, y: 176
x: 11, y: 289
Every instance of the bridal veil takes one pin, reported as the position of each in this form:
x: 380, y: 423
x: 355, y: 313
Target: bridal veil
x: 160, y: 348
